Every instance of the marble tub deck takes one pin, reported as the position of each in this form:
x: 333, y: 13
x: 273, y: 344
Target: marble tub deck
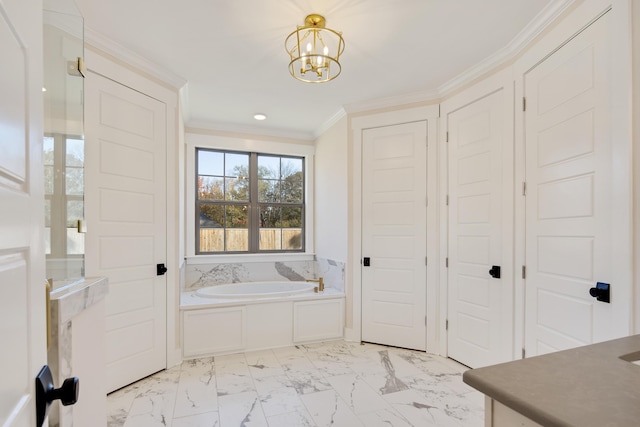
x: 327, y: 384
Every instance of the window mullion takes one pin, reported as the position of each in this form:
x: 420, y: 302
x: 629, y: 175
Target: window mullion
x: 254, y: 207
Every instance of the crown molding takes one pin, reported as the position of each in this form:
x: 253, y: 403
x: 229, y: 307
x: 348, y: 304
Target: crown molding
x: 534, y: 28
x: 329, y: 122
x: 131, y: 58
x: 197, y: 126
x: 391, y: 101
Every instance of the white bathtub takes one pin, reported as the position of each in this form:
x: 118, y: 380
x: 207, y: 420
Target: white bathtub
x: 253, y: 290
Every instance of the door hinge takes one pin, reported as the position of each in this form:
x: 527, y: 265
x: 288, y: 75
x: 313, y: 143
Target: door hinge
x: 447, y: 137
x: 524, y: 104
x: 426, y: 201
x: 446, y: 262
x: 425, y: 260
x: 447, y: 200
x: 524, y: 353
x: 425, y: 320
x: 446, y: 325
x: 524, y: 188
x: 524, y: 271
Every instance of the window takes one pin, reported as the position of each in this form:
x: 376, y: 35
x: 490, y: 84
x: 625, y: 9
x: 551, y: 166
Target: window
x: 64, y: 195
x: 249, y: 202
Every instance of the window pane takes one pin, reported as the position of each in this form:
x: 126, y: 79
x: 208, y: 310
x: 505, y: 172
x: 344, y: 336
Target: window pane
x: 237, y: 189
x: 268, y: 191
x: 74, y: 181
x: 211, y: 231
x: 75, y: 240
x: 47, y: 225
x: 237, y: 231
x: 291, y: 167
x: 292, y: 228
x: 269, y: 167
x: 270, y: 237
x: 237, y: 165
x: 210, y: 188
x: 48, y: 143
x: 75, y: 152
x: 292, y: 189
x: 48, y: 179
x: 75, y: 211
x: 210, y: 163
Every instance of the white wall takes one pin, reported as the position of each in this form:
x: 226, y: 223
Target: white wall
x: 331, y: 193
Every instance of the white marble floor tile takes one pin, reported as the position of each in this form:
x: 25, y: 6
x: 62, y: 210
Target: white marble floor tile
x: 385, y: 418
x: 242, y: 409
x: 357, y: 393
x: 420, y: 410
x: 335, y: 383
x: 151, y: 410
x: 291, y: 419
x: 209, y: 419
x: 263, y: 364
x: 197, y: 392
x: 229, y: 384
x: 278, y: 396
x: 328, y: 409
x: 308, y: 381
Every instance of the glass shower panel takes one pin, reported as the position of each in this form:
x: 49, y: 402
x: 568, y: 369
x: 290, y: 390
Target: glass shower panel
x: 63, y: 93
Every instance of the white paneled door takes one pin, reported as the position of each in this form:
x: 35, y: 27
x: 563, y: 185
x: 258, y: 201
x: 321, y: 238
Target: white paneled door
x: 22, y: 272
x: 480, y: 281
x: 394, y: 235
x: 126, y: 214
x: 569, y: 195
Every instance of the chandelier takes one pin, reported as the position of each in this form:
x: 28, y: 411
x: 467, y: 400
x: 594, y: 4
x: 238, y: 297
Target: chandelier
x: 315, y: 51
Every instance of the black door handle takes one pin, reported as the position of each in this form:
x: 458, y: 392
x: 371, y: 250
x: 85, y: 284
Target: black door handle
x: 161, y: 269
x: 495, y: 271
x: 46, y: 393
x: 602, y: 292
x: 366, y: 261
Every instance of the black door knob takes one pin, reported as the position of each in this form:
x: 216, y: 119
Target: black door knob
x: 602, y: 292
x: 47, y: 393
x: 161, y: 269
x: 495, y: 271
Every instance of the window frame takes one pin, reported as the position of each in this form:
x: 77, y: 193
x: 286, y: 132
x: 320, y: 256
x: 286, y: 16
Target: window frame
x: 254, y: 205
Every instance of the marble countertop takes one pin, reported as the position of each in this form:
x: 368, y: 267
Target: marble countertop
x: 594, y: 385
x: 70, y: 300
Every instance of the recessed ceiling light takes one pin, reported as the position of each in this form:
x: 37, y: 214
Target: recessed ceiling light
x: 44, y: 89
x: 259, y: 116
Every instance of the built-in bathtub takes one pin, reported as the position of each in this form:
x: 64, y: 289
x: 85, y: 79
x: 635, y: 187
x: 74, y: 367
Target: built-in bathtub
x: 249, y: 316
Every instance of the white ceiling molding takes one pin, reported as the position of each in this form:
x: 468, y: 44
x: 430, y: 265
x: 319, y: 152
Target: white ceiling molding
x: 545, y: 18
x: 392, y: 101
x: 254, y: 131
x: 134, y: 60
x: 328, y: 123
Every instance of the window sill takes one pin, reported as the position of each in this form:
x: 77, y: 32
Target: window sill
x: 248, y: 258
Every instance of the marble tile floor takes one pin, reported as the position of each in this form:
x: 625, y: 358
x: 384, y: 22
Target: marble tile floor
x: 335, y: 383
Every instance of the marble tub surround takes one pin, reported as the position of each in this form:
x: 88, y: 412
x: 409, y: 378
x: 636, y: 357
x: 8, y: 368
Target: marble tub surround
x: 69, y: 304
x: 332, y: 272
x: 325, y: 384
x: 211, y: 274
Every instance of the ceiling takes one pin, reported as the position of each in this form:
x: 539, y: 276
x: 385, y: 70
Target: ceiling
x: 231, y: 52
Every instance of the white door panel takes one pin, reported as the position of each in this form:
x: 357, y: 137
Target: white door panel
x: 126, y: 214
x: 394, y: 235
x: 569, y: 195
x: 22, y: 272
x: 479, y: 318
